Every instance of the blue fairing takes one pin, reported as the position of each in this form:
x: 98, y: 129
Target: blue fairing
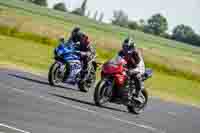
x: 67, y: 52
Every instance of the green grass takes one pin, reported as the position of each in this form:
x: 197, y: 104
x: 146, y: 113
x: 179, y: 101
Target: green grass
x: 173, y: 88
x: 39, y: 57
x: 53, y: 24
x: 25, y: 52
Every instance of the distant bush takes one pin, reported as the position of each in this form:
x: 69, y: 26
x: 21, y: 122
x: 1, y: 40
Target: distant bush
x: 77, y: 11
x: 133, y: 25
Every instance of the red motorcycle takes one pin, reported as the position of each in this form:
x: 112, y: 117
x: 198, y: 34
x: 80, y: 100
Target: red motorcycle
x: 114, y: 78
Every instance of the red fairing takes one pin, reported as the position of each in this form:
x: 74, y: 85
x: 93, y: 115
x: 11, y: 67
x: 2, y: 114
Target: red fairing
x: 116, y: 69
x: 120, y: 79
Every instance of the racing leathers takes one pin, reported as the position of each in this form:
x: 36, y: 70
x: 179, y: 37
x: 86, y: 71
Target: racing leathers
x: 136, y: 69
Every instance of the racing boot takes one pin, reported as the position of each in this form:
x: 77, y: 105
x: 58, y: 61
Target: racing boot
x: 139, y: 86
x: 138, y: 98
x: 138, y: 94
x: 82, y: 80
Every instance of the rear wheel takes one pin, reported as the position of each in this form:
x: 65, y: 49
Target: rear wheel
x: 102, y: 93
x: 87, y: 84
x: 138, y: 108
x: 83, y: 87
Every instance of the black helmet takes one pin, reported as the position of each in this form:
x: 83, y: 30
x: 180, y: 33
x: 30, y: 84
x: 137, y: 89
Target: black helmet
x: 76, y: 35
x: 128, y: 44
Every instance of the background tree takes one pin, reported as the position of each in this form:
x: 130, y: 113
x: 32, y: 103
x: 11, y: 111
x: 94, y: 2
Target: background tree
x: 195, y: 40
x: 60, y: 6
x: 81, y: 11
x: 40, y: 2
x: 182, y: 33
x: 120, y: 18
x: 95, y: 15
x: 88, y: 14
x: 141, y: 24
x: 157, y: 25
x: 186, y: 34
x: 101, y: 17
x: 83, y: 7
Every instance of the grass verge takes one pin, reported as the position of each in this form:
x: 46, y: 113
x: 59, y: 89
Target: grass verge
x: 162, y: 64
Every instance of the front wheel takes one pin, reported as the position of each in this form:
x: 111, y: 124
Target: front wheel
x: 138, y: 108
x: 54, y: 77
x: 102, y: 93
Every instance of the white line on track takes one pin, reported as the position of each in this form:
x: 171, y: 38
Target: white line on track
x: 91, y: 111
x: 154, y: 97
x: 172, y: 114
x: 13, y: 128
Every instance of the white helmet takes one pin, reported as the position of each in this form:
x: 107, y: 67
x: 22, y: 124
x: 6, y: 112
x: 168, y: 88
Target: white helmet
x: 128, y: 44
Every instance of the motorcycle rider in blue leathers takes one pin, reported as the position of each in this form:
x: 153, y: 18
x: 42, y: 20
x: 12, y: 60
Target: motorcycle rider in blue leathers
x: 82, y: 43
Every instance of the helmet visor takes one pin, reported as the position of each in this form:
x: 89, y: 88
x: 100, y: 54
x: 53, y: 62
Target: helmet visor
x: 126, y: 47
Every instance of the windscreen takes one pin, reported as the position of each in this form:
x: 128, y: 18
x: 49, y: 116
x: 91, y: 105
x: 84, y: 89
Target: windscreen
x: 117, y: 60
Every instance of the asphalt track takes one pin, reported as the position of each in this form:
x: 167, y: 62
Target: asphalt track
x: 29, y: 105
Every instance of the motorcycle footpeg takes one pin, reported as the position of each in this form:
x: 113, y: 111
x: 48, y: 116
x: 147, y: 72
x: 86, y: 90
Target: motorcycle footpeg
x: 116, y: 100
x: 83, y: 90
x: 128, y: 103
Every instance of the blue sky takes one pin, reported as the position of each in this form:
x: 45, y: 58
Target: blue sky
x: 177, y: 11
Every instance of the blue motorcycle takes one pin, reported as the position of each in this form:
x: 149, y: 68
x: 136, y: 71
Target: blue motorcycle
x: 67, y: 68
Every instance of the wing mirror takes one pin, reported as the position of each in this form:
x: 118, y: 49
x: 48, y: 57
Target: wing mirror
x: 61, y: 40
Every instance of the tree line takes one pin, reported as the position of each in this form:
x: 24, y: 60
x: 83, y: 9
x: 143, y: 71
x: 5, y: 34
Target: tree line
x: 81, y: 11
x: 157, y: 24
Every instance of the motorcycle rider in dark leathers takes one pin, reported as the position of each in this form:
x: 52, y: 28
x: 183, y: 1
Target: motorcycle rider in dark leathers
x: 82, y: 43
x: 135, y: 65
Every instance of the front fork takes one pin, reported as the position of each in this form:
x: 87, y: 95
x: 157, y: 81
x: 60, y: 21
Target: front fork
x: 62, y: 70
x: 109, y: 87
x: 132, y: 89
